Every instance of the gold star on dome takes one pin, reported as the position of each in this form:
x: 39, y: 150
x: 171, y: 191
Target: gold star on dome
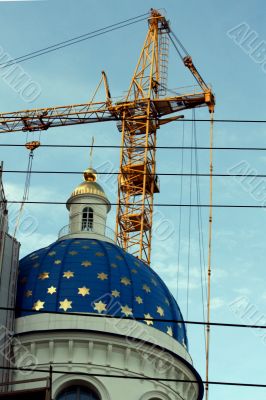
x: 57, y: 262
x: 68, y: 274
x: 36, y: 265
x: 28, y: 293
x: 149, y: 317
x: 63, y: 245
x: 86, y: 263
x: 76, y: 242
x: 100, y: 306
x: 137, y: 263
x: 169, y: 331
x: 44, y: 275
x: 86, y: 247
x: 146, y: 288
x: 126, y: 310
x: 102, y: 276
x: 52, y: 253
x: 93, y: 242
x: 51, y: 290
x: 160, y: 311
x: 125, y: 281
x: 134, y: 271
x: 65, y: 305
x: 154, y: 281
x: 38, y: 305
x: 115, y: 293
x: 99, y: 254
x: 72, y: 253
x: 139, y: 300
x: 167, y: 301
x: 113, y: 265
x: 119, y: 257
x: 83, y: 291
x: 35, y: 257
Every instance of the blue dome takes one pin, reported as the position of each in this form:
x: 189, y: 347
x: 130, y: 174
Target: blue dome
x: 90, y: 276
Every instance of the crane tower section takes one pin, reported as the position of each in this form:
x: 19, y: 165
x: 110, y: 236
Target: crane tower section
x: 138, y: 181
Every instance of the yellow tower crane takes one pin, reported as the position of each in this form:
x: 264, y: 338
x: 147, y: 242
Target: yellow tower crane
x: 139, y: 115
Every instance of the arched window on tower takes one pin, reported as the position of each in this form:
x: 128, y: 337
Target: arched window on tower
x: 87, y: 219
x: 77, y: 392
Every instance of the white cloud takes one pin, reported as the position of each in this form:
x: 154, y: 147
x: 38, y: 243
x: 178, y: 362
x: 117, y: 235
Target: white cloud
x: 35, y: 241
x: 37, y: 193
x: 217, y: 302
x: 218, y: 273
x: 244, y: 291
x: 263, y: 296
x: 39, y: 223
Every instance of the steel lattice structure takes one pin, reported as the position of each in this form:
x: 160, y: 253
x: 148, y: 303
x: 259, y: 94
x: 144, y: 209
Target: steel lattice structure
x: 139, y: 115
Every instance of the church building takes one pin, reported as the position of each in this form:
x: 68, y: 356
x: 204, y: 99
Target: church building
x: 92, y: 321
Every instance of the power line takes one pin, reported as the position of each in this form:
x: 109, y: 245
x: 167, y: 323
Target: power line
x: 188, y: 174
x: 155, y: 204
x: 74, y: 40
x: 163, y: 320
x: 140, y: 147
x: 247, y: 121
x: 134, y: 377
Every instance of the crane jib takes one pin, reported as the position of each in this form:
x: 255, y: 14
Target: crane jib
x: 43, y: 119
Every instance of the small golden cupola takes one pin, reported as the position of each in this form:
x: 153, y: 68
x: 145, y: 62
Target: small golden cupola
x: 88, y: 207
x: 90, y: 175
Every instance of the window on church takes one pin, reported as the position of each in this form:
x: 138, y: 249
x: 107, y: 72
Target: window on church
x: 77, y: 393
x: 87, y: 219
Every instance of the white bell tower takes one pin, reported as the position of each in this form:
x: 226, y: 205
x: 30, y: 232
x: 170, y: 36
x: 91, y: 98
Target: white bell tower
x: 88, y: 207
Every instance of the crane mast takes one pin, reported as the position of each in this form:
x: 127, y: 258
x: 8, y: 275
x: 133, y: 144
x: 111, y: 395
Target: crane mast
x: 138, y: 181
x: 139, y: 115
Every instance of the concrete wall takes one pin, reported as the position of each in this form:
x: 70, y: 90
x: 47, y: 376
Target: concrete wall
x: 9, y: 257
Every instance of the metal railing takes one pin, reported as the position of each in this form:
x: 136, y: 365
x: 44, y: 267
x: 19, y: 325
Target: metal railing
x: 97, y: 229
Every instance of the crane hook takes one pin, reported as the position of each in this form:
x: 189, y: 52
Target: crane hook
x: 32, y: 145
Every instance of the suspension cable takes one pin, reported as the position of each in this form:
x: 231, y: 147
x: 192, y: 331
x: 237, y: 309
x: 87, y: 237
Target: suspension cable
x: 74, y: 40
x: 189, y: 221
x: 180, y: 214
x: 30, y: 146
x: 200, y: 234
x: 209, y: 261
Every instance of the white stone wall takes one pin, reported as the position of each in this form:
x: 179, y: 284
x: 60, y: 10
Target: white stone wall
x: 99, y: 211
x: 96, y: 345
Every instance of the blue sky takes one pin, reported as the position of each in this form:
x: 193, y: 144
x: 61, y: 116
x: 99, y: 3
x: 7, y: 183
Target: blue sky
x: 71, y: 75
